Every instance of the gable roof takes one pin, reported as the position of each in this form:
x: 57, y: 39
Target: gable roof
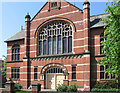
x: 48, y: 2
x: 19, y: 35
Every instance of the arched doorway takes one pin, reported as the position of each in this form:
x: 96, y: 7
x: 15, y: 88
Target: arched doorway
x: 53, y: 74
x: 54, y: 77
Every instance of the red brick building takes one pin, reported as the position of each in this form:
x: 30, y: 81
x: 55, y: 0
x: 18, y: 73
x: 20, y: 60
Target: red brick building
x: 59, y: 45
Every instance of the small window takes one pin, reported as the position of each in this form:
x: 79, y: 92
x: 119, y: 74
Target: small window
x: 35, y: 73
x: 104, y: 75
x: 15, y: 72
x: 73, y: 72
x: 16, y: 53
x: 102, y: 38
x: 53, y: 4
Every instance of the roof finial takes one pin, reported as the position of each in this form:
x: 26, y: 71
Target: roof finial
x: 27, y: 16
x: 86, y: 2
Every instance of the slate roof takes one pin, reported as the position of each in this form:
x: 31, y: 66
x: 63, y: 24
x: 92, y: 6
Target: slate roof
x: 94, y: 23
x: 19, y: 35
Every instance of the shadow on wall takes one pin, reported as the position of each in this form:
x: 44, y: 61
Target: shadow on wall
x: 93, y: 65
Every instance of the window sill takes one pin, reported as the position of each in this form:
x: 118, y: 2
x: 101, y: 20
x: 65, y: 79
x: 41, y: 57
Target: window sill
x: 55, y: 55
x: 14, y: 61
x: 41, y: 79
x: 100, y: 55
x: 15, y: 79
x: 65, y: 80
x: 106, y: 79
x: 74, y: 80
x: 35, y: 79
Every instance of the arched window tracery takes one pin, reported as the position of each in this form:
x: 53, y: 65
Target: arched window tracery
x: 55, y: 38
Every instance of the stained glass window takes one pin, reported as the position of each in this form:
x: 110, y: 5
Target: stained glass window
x: 55, y: 38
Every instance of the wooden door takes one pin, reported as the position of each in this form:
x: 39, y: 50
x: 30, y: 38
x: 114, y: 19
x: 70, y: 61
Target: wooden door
x: 50, y: 81
x: 59, y: 79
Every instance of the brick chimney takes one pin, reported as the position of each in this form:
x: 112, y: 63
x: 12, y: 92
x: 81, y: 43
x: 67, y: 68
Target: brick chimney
x: 86, y: 25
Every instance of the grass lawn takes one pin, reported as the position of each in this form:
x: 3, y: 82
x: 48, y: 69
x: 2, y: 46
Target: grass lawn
x: 23, y: 91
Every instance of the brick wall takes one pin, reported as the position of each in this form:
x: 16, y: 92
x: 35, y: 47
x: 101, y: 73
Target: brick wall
x: 84, y: 40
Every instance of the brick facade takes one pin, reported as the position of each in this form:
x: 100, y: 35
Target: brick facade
x: 85, y: 48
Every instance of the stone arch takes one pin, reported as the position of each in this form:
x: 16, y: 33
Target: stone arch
x: 55, y: 19
x: 54, y: 65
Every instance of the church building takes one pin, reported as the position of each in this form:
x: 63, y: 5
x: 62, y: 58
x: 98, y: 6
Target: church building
x: 59, y: 45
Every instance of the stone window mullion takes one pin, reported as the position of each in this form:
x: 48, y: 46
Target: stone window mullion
x: 47, y: 46
x: 42, y: 47
x: 56, y: 44
x: 52, y: 44
x: 62, y: 44
x: 67, y: 44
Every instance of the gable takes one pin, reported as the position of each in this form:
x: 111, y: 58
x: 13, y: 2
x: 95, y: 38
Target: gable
x: 47, y: 10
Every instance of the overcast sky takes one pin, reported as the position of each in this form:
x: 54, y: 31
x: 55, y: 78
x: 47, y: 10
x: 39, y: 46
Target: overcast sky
x: 12, y: 15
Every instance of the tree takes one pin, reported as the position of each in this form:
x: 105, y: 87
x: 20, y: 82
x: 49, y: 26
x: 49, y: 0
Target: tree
x: 4, y: 63
x: 112, y: 44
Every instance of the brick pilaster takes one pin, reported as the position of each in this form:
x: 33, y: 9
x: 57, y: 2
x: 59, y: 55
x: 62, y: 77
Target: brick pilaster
x: 86, y: 25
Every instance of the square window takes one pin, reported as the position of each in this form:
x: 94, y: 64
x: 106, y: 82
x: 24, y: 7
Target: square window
x: 101, y: 68
x: 107, y: 76
x: 15, y: 73
x: 73, y: 68
x: 35, y: 76
x: 53, y: 4
x: 35, y: 69
x: 73, y: 75
x: 112, y: 76
x: 101, y: 75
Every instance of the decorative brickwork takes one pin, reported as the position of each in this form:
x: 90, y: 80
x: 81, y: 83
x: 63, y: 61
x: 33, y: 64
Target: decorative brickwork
x: 84, y: 54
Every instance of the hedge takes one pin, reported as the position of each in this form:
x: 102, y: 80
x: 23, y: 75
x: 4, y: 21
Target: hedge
x: 105, y: 90
x: 112, y: 84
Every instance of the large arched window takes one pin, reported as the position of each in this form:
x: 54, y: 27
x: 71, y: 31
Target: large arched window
x: 55, y: 38
x: 16, y: 53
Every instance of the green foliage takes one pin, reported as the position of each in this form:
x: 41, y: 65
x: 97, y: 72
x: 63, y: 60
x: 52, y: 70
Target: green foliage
x: 112, y: 44
x: 65, y: 88
x: 4, y: 64
x: 105, y: 90
x: 106, y: 85
x: 18, y: 86
x: 23, y: 91
x: 62, y: 88
x: 72, y: 88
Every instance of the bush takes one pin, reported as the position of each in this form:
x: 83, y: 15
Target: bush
x: 106, y: 85
x: 62, y: 88
x: 105, y: 90
x: 18, y: 86
x: 72, y: 88
x: 65, y: 88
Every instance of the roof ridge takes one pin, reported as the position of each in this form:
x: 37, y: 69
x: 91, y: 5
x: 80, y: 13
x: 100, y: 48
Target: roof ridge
x: 99, y: 14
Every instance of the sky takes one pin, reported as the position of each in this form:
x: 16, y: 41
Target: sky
x: 12, y: 15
